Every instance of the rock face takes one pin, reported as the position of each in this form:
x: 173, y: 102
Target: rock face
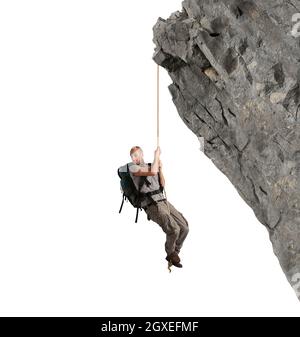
x: 235, y: 68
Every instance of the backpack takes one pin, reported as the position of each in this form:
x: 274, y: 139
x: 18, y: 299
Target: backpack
x: 130, y: 192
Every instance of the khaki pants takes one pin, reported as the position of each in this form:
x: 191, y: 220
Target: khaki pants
x: 173, y: 223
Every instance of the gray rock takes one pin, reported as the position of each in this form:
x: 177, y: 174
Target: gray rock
x: 235, y: 68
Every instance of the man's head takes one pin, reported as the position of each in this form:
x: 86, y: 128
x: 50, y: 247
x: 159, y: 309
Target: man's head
x: 137, y: 155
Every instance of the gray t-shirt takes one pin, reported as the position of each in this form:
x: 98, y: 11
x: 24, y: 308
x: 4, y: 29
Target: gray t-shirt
x: 154, y: 184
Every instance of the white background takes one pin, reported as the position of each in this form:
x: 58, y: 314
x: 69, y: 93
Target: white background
x: 77, y: 91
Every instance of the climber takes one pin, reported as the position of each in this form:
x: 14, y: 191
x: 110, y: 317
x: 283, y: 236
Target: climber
x: 157, y: 207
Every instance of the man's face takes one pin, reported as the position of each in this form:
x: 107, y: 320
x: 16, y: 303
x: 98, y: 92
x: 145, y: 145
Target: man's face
x: 137, y: 156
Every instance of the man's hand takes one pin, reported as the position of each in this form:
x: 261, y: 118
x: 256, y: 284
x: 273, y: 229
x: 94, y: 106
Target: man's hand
x: 157, y: 152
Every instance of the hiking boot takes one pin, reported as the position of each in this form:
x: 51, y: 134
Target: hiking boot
x: 177, y: 264
x: 174, y: 258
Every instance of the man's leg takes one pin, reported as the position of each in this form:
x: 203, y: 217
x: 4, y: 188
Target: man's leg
x: 183, y: 225
x: 159, y: 213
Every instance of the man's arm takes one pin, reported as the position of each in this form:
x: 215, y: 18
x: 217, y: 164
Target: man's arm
x: 151, y: 170
x: 161, y: 177
x: 145, y: 171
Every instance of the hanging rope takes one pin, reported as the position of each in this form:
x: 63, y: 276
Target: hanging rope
x: 157, y: 138
x: 157, y: 120
x: 157, y: 105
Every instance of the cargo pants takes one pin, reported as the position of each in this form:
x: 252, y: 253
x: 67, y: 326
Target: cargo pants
x: 172, y: 222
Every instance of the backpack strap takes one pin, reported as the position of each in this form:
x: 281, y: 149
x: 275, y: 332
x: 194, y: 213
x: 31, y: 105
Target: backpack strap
x: 141, y: 195
x: 155, y: 192
x: 122, y: 202
x: 137, y: 213
x: 147, y: 182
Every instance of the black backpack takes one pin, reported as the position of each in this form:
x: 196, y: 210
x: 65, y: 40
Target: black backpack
x: 130, y: 192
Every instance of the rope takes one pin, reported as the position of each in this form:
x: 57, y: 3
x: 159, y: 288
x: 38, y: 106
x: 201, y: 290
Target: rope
x: 157, y: 106
x: 157, y: 121
x: 157, y: 137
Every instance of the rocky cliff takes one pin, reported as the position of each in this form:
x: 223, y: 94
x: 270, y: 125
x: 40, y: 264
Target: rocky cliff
x: 235, y: 70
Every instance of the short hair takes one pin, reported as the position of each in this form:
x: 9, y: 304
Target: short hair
x: 134, y: 148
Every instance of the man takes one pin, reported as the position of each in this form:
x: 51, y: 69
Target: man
x: 172, y: 222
